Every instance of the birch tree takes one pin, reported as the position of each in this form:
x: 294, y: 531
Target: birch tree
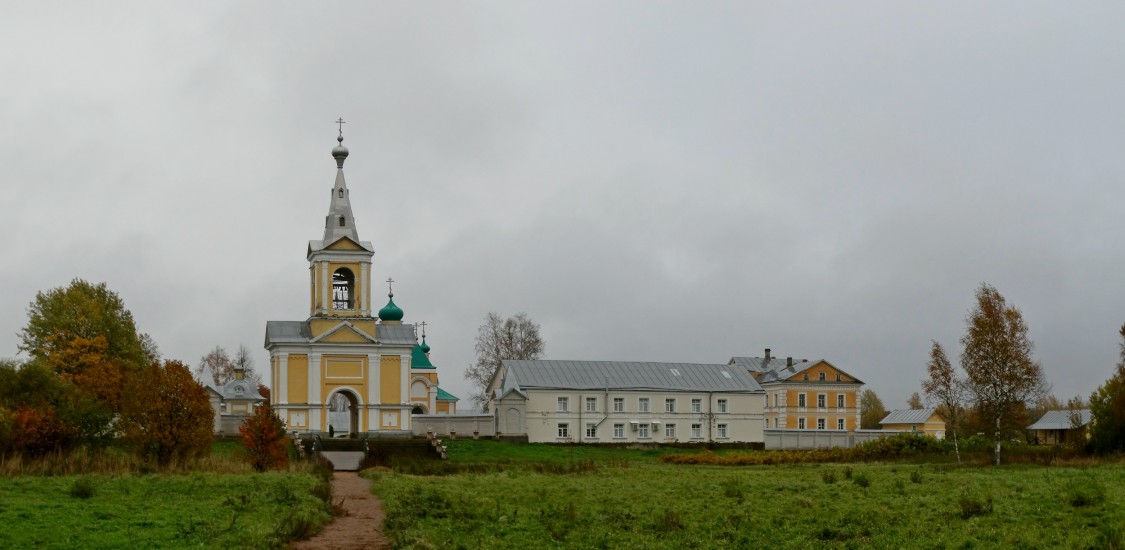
x: 944, y: 389
x: 1000, y: 373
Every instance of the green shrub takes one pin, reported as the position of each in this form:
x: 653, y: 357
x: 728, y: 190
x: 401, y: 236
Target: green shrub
x: 1085, y: 492
x: 734, y: 489
x: 829, y: 476
x: 916, y: 476
x: 972, y: 506
x: 82, y: 488
x: 861, y: 480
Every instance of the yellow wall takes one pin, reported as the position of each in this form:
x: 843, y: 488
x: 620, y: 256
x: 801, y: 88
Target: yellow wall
x: 814, y: 371
x: 298, y: 379
x: 345, y: 336
x: 320, y: 326
x: 390, y: 379
x: 344, y: 244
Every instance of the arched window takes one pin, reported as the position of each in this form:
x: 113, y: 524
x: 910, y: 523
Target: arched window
x: 343, y: 289
x: 341, y: 221
x: 341, y: 193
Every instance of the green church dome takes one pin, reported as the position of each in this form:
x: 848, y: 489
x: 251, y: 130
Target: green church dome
x: 425, y: 347
x: 391, y: 312
x: 418, y: 359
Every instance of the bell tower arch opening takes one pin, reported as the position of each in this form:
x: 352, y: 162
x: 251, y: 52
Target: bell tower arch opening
x: 343, y: 289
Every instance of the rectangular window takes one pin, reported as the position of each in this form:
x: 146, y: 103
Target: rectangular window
x: 618, y: 404
x: 591, y: 430
x: 696, y: 405
x: 591, y: 404
x: 564, y: 430
x: 642, y: 405
x: 801, y: 400
x: 821, y: 400
x: 722, y: 403
x: 721, y: 429
x: 821, y: 377
x: 800, y: 423
x: 697, y: 431
x: 820, y: 423
x: 642, y: 431
x: 840, y: 401
x: 837, y: 377
x: 840, y: 424
x: 669, y: 430
x: 775, y: 400
x: 775, y: 423
x: 564, y: 404
x: 670, y: 405
x: 619, y: 431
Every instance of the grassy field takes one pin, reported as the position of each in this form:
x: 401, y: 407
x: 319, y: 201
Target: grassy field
x: 233, y: 508
x: 534, y: 496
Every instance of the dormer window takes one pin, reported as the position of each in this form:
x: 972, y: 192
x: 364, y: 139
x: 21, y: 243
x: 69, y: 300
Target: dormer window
x: 341, y: 193
x: 238, y: 390
x: 341, y: 221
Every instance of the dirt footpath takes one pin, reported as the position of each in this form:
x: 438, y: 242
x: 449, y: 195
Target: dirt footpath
x: 361, y: 527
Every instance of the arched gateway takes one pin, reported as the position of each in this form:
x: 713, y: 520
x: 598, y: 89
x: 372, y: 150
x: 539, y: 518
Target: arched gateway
x: 345, y: 347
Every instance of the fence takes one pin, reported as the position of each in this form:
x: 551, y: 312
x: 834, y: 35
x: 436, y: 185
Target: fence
x: 461, y: 424
x: 819, y: 439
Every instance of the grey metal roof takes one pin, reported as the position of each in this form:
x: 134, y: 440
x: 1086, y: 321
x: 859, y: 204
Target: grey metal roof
x: 775, y: 368
x: 230, y: 390
x: 1060, y: 420
x: 909, y: 416
x: 618, y: 375
x: 287, y: 332
x: 298, y: 332
x: 395, y: 334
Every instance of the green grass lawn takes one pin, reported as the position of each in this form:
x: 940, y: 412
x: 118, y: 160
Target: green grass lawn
x: 618, y: 498
x: 157, y: 510
x: 225, y: 505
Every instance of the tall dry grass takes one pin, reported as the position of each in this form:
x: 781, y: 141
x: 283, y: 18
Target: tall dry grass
x: 114, y: 461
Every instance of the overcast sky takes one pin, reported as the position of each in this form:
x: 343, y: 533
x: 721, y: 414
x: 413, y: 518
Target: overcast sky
x: 650, y: 181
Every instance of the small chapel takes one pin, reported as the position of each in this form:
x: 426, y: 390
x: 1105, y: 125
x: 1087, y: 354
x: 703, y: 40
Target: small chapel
x: 345, y: 348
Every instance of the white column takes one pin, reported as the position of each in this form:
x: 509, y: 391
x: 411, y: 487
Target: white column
x: 281, y: 385
x: 365, y: 280
x: 432, y: 409
x: 314, y: 379
x: 325, y: 286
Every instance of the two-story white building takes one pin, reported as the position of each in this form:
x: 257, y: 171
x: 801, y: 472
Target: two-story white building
x: 625, y: 402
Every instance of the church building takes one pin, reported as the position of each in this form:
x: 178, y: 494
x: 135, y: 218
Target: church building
x: 345, y: 347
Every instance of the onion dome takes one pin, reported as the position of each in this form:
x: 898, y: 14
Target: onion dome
x: 340, y: 152
x: 425, y: 347
x: 390, y: 312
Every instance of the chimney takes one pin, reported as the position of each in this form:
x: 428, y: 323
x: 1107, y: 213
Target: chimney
x: 767, y: 355
x: 789, y: 361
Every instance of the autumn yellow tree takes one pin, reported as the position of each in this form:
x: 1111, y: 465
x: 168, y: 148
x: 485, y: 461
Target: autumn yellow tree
x: 946, y: 390
x: 166, y: 414
x: 1000, y: 373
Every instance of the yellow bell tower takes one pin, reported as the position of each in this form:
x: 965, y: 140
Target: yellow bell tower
x: 346, y: 353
